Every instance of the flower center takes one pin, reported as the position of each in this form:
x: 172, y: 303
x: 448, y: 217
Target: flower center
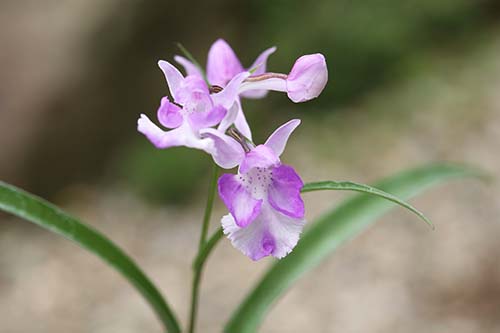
x: 257, y: 181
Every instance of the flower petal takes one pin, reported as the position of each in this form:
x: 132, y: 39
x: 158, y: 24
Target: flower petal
x: 259, y: 67
x: 169, y: 114
x: 308, y: 78
x: 284, y: 192
x: 229, y: 119
x: 205, y: 119
x: 241, y: 123
x: 222, y: 63
x: 189, y: 67
x: 227, y: 153
x: 173, y: 76
x: 253, y: 240
x: 236, y: 116
x: 277, y: 141
x: 158, y: 137
x: 180, y: 136
x: 240, y: 203
x: 285, y: 230
x: 229, y: 95
x: 260, y: 64
x: 272, y: 233
x: 259, y: 157
x: 271, y: 83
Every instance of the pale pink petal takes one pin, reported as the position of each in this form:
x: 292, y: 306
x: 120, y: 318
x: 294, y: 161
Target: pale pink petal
x: 284, y: 229
x: 308, y: 78
x: 189, y: 67
x: 271, y: 83
x: 229, y: 119
x: 259, y: 67
x: 208, y: 118
x: 180, y: 136
x: 169, y: 114
x: 241, y: 123
x: 172, y: 75
x: 227, y: 152
x: 259, y: 157
x: 236, y: 116
x: 277, y: 141
x: 193, y: 94
x: 222, y: 63
x: 229, y: 95
x: 239, y: 201
x: 284, y: 191
x: 272, y: 233
x: 252, y: 241
x: 158, y: 137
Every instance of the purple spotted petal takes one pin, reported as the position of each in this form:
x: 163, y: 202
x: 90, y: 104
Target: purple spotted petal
x: 173, y: 76
x: 227, y: 153
x: 284, y: 191
x: 271, y: 234
x: 169, y: 114
x: 259, y: 157
x: 189, y: 67
x: 240, y: 203
x: 308, y: 78
x: 277, y: 141
x: 222, y: 63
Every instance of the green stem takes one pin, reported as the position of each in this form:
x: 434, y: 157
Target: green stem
x: 198, y: 269
x: 208, y: 208
x: 207, y: 249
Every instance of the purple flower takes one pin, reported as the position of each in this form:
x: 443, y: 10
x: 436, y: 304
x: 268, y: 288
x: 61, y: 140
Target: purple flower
x: 193, y: 110
x: 266, y: 212
x: 223, y: 65
x: 306, y: 80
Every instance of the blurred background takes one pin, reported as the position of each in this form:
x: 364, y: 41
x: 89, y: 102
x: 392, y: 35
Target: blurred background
x: 411, y: 82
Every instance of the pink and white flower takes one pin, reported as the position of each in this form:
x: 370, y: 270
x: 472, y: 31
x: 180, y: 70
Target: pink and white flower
x: 266, y: 211
x: 306, y: 80
x: 194, y: 108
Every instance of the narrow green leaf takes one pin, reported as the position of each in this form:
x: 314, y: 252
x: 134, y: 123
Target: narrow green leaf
x: 363, y: 188
x: 330, y: 231
x: 34, y: 209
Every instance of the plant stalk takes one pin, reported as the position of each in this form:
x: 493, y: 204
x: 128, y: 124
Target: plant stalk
x: 198, y: 269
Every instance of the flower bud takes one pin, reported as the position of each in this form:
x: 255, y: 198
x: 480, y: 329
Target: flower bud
x: 308, y: 78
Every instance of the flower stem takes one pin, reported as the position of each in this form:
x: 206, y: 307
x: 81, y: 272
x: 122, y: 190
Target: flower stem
x: 198, y: 268
x: 208, y: 208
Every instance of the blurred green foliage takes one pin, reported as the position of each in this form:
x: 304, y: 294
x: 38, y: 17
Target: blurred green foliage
x: 162, y: 176
x: 366, y: 43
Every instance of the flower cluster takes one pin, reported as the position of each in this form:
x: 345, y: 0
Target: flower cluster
x: 266, y: 212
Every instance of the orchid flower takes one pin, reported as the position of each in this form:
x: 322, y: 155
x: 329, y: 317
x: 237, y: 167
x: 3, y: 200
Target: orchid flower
x: 194, y: 108
x: 306, y: 80
x: 266, y: 211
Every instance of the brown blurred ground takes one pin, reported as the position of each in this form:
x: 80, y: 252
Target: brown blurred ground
x: 396, y: 277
